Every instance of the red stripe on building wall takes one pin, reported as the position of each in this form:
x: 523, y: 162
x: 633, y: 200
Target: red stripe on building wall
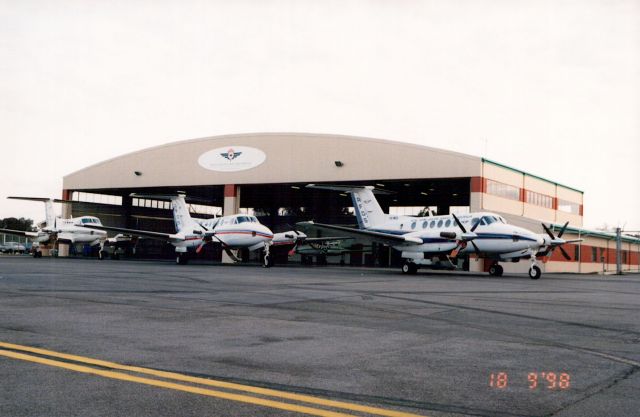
x: 586, y: 254
x: 476, y: 184
x: 66, y: 194
x: 230, y: 190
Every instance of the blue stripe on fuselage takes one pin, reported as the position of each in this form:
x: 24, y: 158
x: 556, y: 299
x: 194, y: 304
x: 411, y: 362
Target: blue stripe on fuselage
x: 436, y: 239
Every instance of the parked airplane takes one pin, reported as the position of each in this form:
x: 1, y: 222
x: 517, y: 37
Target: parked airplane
x: 425, y: 241
x: 58, y: 230
x: 232, y: 232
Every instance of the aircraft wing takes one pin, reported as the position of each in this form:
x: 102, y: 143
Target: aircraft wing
x: 326, y: 239
x: 19, y: 232
x: 133, y: 232
x: 379, y: 236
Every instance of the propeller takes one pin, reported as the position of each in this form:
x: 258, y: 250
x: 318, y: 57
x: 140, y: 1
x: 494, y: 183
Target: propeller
x: 467, y: 236
x: 557, y: 241
x: 299, y: 240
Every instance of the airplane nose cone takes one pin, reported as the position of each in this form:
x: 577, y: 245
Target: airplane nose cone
x: 268, y: 234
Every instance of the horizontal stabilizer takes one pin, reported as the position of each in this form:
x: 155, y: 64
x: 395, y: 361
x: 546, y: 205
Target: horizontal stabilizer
x: 19, y: 233
x: 348, y: 188
x: 30, y: 198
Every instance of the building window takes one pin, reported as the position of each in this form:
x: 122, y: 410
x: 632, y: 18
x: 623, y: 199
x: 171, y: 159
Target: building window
x: 576, y: 256
x: 538, y: 199
x: 503, y: 190
x: 594, y: 254
x: 114, y: 200
x: 568, y: 206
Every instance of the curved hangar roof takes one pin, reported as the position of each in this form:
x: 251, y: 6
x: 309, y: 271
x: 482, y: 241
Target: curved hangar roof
x: 272, y: 158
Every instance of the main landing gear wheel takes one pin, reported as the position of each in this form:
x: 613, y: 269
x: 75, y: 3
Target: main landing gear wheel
x: 181, y: 259
x: 266, y: 261
x: 535, y: 272
x: 409, y: 268
x: 496, y: 270
x: 37, y: 254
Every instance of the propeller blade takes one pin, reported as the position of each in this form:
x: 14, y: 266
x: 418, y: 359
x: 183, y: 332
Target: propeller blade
x: 546, y: 229
x: 564, y: 253
x: 474, y: 244
x: 459, y: 223
x: 563, y: 229
x: 473, y: 228
x: 231, y: 255
x: 200, y: 246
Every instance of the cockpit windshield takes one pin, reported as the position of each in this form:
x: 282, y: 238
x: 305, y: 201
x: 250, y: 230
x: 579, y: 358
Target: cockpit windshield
x: 486, y: 220
x: 89, y: 220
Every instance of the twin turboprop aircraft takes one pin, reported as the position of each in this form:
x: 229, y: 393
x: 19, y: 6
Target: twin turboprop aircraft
x: 425, y: 241
x: 58, y: 230
x: 232, y: 232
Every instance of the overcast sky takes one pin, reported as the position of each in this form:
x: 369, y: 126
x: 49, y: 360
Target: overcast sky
x: 550, y: 87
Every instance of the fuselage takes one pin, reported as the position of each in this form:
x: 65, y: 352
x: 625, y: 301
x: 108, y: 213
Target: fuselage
x: 494, y: 234
x: 235, y: 231
x: 71, y: 231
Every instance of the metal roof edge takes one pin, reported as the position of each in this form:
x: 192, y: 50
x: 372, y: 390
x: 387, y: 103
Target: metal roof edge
x: 267, y: 134
x: 596, y: 233
x: 529, y: 174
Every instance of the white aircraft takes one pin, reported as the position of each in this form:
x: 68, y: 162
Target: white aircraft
x: 232, y: 232
x: 425, y: 241
x: 58, y: 230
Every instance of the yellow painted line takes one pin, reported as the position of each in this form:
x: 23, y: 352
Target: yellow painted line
x: 215, y: 383
x: 174, y: 386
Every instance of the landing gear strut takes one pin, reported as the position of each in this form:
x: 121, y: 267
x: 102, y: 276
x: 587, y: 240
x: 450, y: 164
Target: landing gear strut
x: 267, y: 260
x: 496, y: 270
x: 409, y: 268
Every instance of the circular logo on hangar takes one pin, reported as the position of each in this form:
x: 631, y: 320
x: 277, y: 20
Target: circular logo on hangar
x: 232, y: 158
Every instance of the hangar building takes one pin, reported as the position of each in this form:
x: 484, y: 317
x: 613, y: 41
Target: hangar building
x: 266, y: 174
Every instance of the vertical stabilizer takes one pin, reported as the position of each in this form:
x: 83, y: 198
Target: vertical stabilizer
x: 50, y: 214
x: 367, y: 209
x: 181, y: 215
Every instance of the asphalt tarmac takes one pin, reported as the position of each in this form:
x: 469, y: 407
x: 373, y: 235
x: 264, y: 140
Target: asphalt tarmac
x: 143, y: 338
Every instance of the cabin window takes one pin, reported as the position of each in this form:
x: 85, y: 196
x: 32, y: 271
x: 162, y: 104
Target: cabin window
x: 424, y: 224
x: 432, y: 224
x: 413, y: 225
x: 448, y: 223
x: 439, y: 223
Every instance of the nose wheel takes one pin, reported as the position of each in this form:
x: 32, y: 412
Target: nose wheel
x: 409, y: 268
x: 535, y: 272
x: 181, y: 259
x: 496, y: 270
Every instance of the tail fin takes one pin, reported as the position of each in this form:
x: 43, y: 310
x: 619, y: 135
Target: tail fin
x: 49, y: 211
x: 366, y: 206
x: 181, y: 216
